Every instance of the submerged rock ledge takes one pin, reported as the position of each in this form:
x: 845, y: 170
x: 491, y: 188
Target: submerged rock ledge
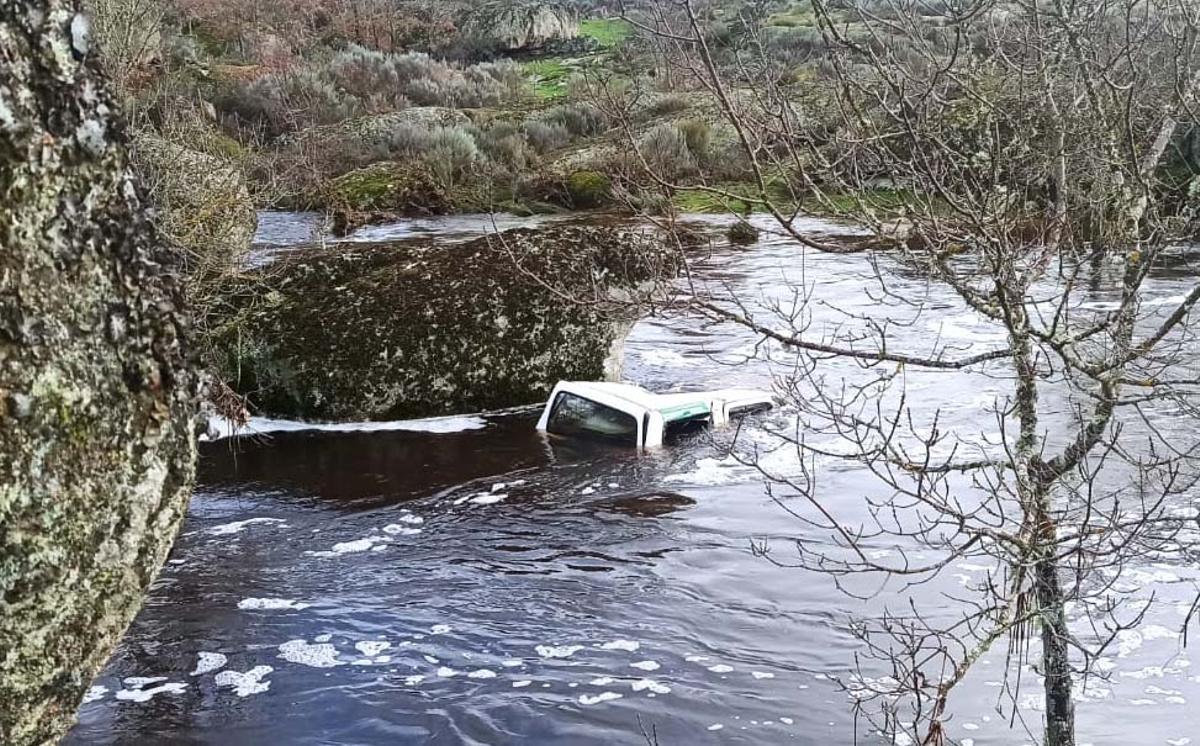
x: 395, y: 331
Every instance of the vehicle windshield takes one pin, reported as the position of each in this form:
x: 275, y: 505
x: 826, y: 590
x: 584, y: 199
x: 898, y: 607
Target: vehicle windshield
x: 573, y: 415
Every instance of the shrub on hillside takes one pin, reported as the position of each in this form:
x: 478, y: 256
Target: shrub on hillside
x: 545, y: 137
x: 367, y: 75
x: 504, y: 143
x: 671, y: 103
x: 666, y: 152
x: 287, y: 102
x: 407, y: 139
x: 359, y: 80
x: 581, y: 120
x: 451, y: 154
x: 697, y: 134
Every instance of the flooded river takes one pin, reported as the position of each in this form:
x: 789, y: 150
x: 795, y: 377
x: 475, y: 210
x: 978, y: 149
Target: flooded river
x: 468, y: 581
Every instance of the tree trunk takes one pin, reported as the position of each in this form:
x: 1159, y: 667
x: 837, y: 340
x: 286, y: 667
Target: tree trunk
x: 1056, y: 664
x: 97, y: 389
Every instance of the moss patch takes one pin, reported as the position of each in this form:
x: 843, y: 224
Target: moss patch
x: 607, y: 32
x: 588, y: 189
x: 549, y: 77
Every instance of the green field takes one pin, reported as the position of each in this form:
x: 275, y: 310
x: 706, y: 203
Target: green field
x: 608, y: 32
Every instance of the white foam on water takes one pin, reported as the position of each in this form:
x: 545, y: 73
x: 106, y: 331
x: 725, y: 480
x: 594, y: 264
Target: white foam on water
x: 1128, y: 641
x: 970, y: 726
x: 587, y: 699
x: 715, y: 727
x: 440, y: 629
x: 139, y: 681
x: 602, y: 681
x: 413, y: 680
x: 762, y: 674
x: 720, y: 668
x: 270, y: 604
x: 95, y: 693
x: 209, y: 662
x: 395, y: 529
x: 1158, y: 632
x: 349, y: 547
x: 483, y: 673
x: 489, y: 498
x: 697, y: 658
x: 446, y: 672
x: 557, y: 651
x: 628, y: 646
x: 245, y: 684
x: 1179, y: 741
x: 411, y: 519
x: 512, y: 663
x: 664, y: 359
x: 227, y: 529
x: 372, y: 648
x: 521, y: 684
x: 651, y: 684
x: 320, y: 655
x: 1149, y: 672
x: 145, y: 695
x: 646, y: 665
x: 786, y: 721
x: 431, y: 660
x: 262, y: 425
x: 323, y: 638
x: 711, y: 471
x: 588, y: 491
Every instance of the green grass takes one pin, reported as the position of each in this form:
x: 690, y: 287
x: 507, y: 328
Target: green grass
x: 883, y: 201
x: 798, y: 15
x: 549, y: 77
x: 608, y: 32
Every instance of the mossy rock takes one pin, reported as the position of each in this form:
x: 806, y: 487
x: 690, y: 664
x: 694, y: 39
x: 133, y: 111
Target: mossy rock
x: 404, y: 188
x: 392, y: 331
x: 742, y: 233
x: 588, y: 189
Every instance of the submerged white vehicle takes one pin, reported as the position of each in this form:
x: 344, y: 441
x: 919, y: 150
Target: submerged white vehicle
x: 630, y: 415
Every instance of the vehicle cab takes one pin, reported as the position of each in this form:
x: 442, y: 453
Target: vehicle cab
x: 630, y: 415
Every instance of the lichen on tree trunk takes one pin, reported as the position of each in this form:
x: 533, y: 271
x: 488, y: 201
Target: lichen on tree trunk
x: 97, y: 390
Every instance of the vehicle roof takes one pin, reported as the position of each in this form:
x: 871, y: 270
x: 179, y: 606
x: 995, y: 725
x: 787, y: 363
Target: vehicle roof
x: 673, y: 407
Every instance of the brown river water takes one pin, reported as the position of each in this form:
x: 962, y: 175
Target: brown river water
x: 468, y: 581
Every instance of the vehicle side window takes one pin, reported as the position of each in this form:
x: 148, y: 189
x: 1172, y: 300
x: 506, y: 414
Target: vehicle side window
x: 682, y: 428
x: 748, y: 410
x: 574, y: 415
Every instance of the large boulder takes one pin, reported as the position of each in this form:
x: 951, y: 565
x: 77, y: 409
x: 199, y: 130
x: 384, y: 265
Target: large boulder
x: 396, y: 331
x: 516, y: 26
x: 97, y: 391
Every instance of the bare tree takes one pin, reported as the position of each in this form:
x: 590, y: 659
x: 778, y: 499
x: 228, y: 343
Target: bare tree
x: 1030, y: 150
